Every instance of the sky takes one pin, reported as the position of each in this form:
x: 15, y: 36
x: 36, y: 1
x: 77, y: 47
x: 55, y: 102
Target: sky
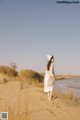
x: 31, y: 29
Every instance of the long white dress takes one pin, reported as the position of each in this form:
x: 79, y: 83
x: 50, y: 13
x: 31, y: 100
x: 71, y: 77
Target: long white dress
x: 49, y: 73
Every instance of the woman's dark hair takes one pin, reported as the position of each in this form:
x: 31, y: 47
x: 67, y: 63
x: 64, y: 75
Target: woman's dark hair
x: 49, y: 63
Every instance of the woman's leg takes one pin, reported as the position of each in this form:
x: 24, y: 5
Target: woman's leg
x: 51, y: 94
x: 48, y: 95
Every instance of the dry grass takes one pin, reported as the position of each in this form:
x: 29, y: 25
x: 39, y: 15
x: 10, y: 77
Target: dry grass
x: 14, y: 100
x: 30, y: 74
x: 68, y: 95
x: 19, y: 112
x: 6, y: 70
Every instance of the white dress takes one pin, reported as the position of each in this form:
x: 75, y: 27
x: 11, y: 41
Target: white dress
x: 49, y: 73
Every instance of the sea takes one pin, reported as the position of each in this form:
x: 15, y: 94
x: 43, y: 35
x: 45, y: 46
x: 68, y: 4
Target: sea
x: 68, y: 85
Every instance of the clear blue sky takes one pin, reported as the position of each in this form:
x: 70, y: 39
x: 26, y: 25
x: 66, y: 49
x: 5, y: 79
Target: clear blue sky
x: 31, y: 29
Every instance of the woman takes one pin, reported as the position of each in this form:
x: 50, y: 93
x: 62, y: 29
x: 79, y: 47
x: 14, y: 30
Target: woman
x: 49, y: 77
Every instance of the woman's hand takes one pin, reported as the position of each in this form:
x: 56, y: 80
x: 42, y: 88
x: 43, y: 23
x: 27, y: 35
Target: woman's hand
x: 52, y: 77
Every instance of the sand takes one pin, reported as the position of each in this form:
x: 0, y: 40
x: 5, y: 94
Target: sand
x: 31, y: 103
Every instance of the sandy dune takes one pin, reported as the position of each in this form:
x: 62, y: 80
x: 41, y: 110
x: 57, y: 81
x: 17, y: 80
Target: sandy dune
x: 57, y: 109
x: 31, y: 103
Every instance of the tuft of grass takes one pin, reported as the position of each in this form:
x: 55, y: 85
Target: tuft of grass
x: 4, y: 81
x: 19, y: 111
x: 68, y: 95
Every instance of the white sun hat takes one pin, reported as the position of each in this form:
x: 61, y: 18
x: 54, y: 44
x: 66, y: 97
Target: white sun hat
x: 49, y: 57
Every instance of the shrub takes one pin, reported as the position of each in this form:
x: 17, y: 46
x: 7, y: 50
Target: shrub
x: 7, y: 71
x: 30, y: 74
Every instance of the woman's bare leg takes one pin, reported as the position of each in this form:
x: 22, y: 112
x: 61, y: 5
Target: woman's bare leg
x: 48, y: 95
x: 51, y: 93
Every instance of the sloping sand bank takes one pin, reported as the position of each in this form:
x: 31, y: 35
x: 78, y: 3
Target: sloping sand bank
x: 31, y: 103
x: 57, y: 109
